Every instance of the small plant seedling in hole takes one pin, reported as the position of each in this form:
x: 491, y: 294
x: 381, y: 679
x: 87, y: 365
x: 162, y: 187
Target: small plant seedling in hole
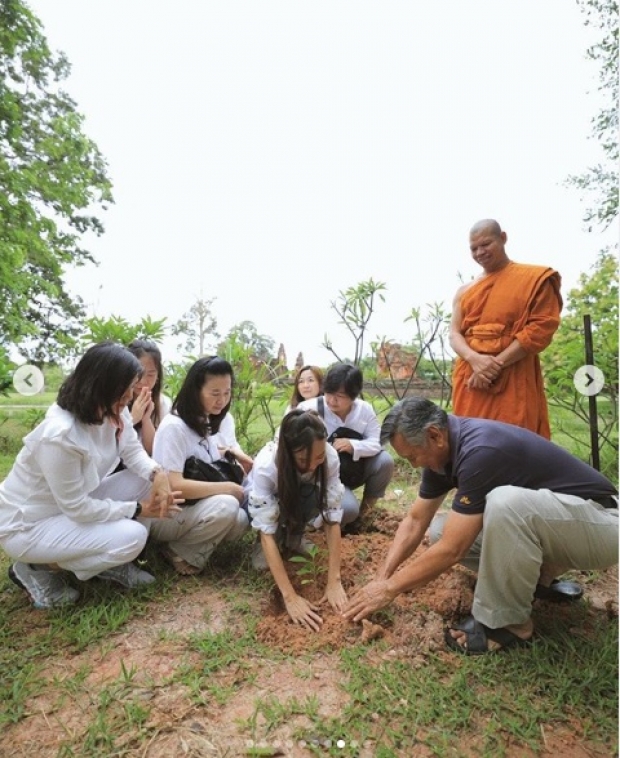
x: 311, y: 565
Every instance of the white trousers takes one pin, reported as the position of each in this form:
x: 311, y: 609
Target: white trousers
x: 194, y: 533
x: 523, y: 528
x: 86, y: 549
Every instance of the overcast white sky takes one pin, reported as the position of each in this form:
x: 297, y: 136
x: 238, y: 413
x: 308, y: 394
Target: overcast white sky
x: 270, y: 154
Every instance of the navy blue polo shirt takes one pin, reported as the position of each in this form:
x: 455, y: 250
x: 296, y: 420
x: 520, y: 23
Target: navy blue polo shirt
x: 488, y: 454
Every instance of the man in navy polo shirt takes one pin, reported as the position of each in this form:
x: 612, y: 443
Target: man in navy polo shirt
x: 524, y: 511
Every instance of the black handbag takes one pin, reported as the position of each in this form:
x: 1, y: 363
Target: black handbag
x: 225, y: 469
x: 351, y: 472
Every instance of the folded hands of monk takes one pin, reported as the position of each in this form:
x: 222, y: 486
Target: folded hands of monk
x: 485, y: 370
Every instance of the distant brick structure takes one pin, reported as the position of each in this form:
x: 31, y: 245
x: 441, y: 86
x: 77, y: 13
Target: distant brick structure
x: 277, y: 366
x: 395, y: 360
x: 299, y: 362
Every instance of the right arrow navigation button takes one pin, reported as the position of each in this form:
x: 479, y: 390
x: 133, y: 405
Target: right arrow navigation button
x: 589, y: 380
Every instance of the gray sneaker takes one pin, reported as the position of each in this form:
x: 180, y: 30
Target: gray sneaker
x: 128, y: 575
x: 46, y: 589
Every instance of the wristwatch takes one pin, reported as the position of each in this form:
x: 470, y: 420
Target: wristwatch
x: 138, y: 511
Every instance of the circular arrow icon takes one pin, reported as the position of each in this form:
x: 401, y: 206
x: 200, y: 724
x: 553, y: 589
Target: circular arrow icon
x: 28, y: 380
x: 589, y: 380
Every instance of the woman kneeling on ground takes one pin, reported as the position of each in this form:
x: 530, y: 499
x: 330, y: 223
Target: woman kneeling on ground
x: 353, y: 429
x: 200, y: 425
x: 61, y: 513
x: 295, y: 482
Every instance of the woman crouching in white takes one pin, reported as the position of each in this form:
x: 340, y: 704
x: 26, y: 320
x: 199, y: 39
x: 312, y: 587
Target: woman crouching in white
x: 60, y: 511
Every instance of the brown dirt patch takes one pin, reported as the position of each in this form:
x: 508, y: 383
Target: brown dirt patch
x: 447, y: 597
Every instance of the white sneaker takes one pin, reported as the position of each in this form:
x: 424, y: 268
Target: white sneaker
x: 128, y: 575
x: 46, y: 589
x: 259, y: 561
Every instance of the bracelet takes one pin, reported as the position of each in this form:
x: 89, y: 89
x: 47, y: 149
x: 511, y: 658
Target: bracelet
x: 138, y: 511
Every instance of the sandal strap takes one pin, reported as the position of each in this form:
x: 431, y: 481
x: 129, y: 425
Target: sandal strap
x: 478, y: 636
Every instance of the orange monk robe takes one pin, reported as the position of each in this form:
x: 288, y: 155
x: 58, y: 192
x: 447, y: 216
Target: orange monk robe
x: 521, y: 302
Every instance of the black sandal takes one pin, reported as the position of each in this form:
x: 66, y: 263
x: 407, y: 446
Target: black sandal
x: 478, y: 636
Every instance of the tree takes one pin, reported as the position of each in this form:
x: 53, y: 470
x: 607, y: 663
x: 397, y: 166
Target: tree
x: 429, y: 346
x: 597, y: 296
x: 258, y: 345
x: 600, y: 182
x: 6, y: 372
x: 120, y: 330
x: 58, y: 333
x: 52, y: 175
x: 355, y: 307
x: 255, y: 387
x: 198, y: 328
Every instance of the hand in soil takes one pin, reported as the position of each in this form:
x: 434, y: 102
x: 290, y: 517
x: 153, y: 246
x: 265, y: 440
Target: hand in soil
x: 374, y: 596
x: 335, y: 596
x: 303, y: 612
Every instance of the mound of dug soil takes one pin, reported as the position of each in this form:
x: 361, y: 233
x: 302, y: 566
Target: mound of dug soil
x: 416, y: 620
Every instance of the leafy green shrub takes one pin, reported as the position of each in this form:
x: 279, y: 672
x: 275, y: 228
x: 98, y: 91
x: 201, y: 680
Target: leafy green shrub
x: 33, y: 417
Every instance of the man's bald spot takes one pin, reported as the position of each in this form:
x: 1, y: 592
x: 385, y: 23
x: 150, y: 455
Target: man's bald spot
x: 486, y: 225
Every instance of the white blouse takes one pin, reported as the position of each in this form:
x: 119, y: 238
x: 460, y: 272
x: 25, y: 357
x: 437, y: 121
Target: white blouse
x: 175, y: 442
x: 264, y: 507
x: 362, y: 418
x: 61, y: 463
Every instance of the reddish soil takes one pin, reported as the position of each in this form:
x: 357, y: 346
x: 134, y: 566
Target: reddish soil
x: 153, y: 648
x: 449, y: 596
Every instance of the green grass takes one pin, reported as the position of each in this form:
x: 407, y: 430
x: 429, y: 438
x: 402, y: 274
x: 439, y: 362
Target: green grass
x: 496, y: 700
x: 30, y: 640
x: 43, y: 399
x: 442, y: 701
x: 573, y: 433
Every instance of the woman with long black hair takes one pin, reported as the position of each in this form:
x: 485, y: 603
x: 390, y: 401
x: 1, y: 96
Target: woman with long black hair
x: 295, y: 482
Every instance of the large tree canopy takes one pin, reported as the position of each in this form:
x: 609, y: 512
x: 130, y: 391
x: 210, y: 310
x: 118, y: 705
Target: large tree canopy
x: 51, y: 178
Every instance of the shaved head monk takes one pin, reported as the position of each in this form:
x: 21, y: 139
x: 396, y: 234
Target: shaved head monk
x: 500, y: 323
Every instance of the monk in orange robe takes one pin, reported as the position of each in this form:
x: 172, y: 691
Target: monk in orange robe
x: 500, y: 323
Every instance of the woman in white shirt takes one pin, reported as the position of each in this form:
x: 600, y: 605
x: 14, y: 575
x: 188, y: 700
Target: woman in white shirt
x: 149, y: 404
x: 293, y: 482
x: 342, y: 409
x: 60, y: 510
x: 200, y: 425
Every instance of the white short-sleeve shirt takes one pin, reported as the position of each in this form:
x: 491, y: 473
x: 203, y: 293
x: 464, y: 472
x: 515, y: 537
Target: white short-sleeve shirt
x: 175, y: 442
x: 361, y: 418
